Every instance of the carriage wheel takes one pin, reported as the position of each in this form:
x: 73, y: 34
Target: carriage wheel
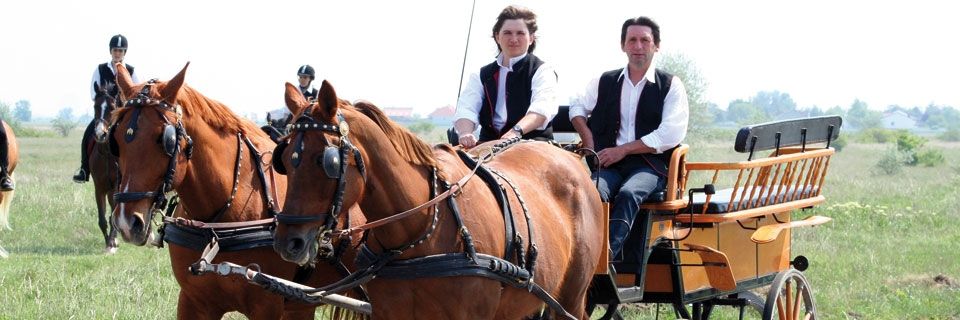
x: 790, y: 298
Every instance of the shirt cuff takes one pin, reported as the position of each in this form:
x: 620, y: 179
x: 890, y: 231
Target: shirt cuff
x: 654, y: 142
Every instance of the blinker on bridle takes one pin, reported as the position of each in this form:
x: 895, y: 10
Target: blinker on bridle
x: 333, y: 162
x: 169, y: 142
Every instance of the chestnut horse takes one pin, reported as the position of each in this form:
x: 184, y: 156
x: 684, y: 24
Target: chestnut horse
x: 169, y: 137
x: 386, y: 169
x: 103, y: 166
x: 6, y: 197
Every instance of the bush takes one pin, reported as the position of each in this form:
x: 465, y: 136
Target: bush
x: 929, y: 158
x: 951, y: 135
x: 840, y: 143
x: 891, y: 162
x: 876, y: 135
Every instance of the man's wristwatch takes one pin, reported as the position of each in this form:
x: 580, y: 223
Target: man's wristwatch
x: 518, y: 130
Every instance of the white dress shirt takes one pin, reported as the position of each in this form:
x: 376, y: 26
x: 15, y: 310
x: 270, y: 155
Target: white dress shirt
x: 96, y: 79
x: 543, y: 98
x: 673, y: 125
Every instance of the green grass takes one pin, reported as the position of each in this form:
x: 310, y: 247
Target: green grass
x: 891, y: 237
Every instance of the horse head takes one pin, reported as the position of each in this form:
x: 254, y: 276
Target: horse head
x: 324, y: 170
x: 103, y: 104
x: 149, y: 141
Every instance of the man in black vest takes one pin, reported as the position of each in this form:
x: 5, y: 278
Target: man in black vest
x: 105, y: 77
x: 637, y: 115
x: 306, y: 75
x: 514, y: 95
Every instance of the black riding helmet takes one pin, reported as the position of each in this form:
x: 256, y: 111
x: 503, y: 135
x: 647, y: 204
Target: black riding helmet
x: 306, y: 70
x: 118, y: 42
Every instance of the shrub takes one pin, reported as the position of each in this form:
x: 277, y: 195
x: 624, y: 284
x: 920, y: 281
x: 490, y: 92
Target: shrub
x: 891, y: 162
x: 840, y: 143
x: 929, y: 158
x: 876, y: 135
x: 951, y: 135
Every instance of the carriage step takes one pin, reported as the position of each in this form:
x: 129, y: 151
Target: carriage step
x: 768, y: 233
x: 717, y: 266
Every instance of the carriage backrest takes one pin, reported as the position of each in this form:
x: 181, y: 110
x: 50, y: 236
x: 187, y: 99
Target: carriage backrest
x: 787, y: 133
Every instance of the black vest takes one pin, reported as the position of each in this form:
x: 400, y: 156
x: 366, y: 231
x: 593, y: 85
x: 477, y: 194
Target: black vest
x: 604, y: 121
x: 107, y: 77
x: 309, y: 94
x: 519, y: 91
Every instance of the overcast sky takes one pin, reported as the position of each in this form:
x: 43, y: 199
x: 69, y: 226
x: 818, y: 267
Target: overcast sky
x: 410, y: 53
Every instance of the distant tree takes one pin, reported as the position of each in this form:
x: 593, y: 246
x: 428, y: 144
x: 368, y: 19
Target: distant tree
x: 684, y: 68
x: 777, y: 105
x: 421, y: 128
x: 64, y: 122
x: 813, y: 111
x: 861, y: 117
x: 745, y: 112
x: 5, y: 112
x: 22, y: 111
x: 937, y: 117
x: 836, y: 111
x: 715, y: 112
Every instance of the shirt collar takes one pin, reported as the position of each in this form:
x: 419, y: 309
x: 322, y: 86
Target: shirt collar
x: 512, y: 60
x: 650, y: 76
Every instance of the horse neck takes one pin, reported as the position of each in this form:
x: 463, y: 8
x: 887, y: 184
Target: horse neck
x: 209, y: 178
x: 394, y: 185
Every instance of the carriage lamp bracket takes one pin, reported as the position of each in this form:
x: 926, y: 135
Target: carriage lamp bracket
x: 707, y: 189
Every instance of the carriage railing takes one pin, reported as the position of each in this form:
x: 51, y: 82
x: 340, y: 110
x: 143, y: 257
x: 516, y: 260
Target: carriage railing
x: 775, y: 184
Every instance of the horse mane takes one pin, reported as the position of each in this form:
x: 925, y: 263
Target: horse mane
x: 212, y: 112
x: 408, y: 145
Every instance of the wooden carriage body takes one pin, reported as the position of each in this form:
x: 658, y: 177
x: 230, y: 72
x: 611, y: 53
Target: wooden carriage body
x: 714, y: 249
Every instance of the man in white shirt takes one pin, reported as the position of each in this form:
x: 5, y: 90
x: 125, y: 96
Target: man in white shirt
x: 514, y: 95
x: 637, y: 115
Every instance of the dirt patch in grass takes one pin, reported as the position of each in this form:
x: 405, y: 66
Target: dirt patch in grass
x: 937, y: 281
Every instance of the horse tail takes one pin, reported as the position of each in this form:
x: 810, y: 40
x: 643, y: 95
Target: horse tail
x: 6, y: 197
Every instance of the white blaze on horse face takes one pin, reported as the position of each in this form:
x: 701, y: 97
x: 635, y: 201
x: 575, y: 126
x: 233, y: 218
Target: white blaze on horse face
x: 122, y: 223
x: 103, y: 110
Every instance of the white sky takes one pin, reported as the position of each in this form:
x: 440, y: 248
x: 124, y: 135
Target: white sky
x: 409, y: 53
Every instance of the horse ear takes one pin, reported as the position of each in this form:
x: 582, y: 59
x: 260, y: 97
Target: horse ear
x: 327, y: 100
x: 294, y: 99
x: 96, y: 87
x: 170, y: 91
x: 124, y: 81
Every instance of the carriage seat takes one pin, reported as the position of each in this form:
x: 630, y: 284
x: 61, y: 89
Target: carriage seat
x: 790, y: 177
x: 724, y: 200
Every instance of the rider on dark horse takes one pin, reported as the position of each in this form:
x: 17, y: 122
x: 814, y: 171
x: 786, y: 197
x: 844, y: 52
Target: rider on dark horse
x: 6, y: 184
x: 277, y: 119
x: 104, y: 77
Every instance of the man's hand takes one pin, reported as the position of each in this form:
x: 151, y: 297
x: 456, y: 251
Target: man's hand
x: 509, y: 135
x: 610, y: 156
x: 468, y: 140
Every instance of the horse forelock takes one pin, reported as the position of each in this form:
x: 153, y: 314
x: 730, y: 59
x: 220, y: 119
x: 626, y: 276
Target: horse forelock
x: 408, y: 145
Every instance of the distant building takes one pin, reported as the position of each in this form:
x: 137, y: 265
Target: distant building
x: 898, y: 120
x: 443, y: 116
x: 403, y: 116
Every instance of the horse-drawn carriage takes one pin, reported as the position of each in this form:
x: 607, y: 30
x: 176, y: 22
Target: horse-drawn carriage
x: 529, y: 232
x: 721, y: 243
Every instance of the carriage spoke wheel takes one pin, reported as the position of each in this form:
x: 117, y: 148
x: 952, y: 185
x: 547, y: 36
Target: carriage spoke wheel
x: 790, y: 298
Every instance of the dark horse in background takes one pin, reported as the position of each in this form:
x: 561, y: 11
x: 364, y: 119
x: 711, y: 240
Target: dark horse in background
x: 394, y: 173
x: 170, y: 138
x: 103, y: 165
x: 6, y: 197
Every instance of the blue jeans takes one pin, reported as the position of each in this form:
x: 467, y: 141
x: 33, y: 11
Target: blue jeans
x: 626, y: 189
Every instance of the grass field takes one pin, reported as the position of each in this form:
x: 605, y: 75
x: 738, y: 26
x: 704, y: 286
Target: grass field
x: 891, y: 251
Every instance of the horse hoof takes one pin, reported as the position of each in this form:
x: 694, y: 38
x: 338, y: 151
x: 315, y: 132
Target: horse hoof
x: 110, y: 250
